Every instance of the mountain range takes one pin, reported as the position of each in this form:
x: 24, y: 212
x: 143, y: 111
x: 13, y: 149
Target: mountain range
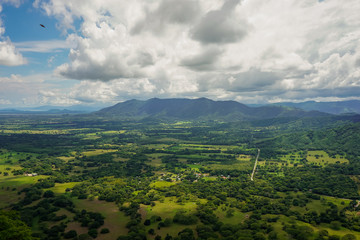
x: 9, y: 111
x: 352, y: 106
x: 200, y: 109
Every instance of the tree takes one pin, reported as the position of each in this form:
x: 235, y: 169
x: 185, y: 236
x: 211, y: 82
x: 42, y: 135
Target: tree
x: 348, y: 236
x: 273, y: 235
x: 186, y: 234
x: 259, y: 236
x: 336, y: 225
x: 11, y: 227
x: 93, y: 233
x: 48, y: 194
x: 186, y: 219
x: 70, y: 234
x: 104, y: 230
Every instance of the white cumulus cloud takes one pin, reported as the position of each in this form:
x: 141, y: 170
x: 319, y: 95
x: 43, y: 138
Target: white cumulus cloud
x: 267, y: 50
x: 9, y: 55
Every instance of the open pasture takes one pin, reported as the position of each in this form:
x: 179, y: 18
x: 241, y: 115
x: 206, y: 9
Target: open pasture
x: 98, y: 152
x: 155, y: 159
x: 115, y: 220
x: 238, y: 165
x: 236, y: 218
x: 112, y: 132
x: 60, y: 188
x: 279, y: 224
x: 167, y: 209
x: 19, y: 181
x: 10, y: 185
x: 161, y: 184
x: 322, y: 158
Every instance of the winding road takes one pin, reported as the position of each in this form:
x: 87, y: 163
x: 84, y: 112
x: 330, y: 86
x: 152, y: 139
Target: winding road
x: 253, y: 172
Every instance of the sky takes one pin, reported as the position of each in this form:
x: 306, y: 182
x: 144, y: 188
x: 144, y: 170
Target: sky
x: 96, y: 52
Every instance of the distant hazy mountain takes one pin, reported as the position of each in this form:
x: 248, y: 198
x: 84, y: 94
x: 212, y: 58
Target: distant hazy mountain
x: 352, y: 106
x: 200, y: 109
x: 37, y: 112
x: 75, y: 109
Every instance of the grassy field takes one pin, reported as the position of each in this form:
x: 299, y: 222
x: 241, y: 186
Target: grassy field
x: 66, y: 159
x: 10, y: 185
x: 18, y: 181
x: 161, y: 184
x: 194, y: 167
x: 322, y: 158
x: 8, y: 168
x: 60, y: 188
x: 155, y: 159
x: 278, y: 226
x: 159, y: 146
x: 242, y: 157
x: 289, y: 160
x: 167, y: 209
x: 237, y: 218
x: 210, y: 178
x: 290, y: 220
x: 113, y: 132
x: 115, y: 220
x: 239, y: 165
x: 98, y: 152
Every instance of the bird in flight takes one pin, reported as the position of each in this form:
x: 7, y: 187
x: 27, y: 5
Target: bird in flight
x: 42, y: 26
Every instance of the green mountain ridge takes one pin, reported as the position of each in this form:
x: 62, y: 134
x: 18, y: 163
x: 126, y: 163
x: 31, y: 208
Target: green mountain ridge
x: 201, y: 109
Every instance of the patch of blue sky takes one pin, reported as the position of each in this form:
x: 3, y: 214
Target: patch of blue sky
x: 44, y: 48
x: 23, y: 24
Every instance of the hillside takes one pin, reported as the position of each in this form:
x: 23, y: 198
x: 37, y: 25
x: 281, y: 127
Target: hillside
x: 200, y: 109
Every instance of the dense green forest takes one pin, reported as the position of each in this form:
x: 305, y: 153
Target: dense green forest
x: 90, y: 177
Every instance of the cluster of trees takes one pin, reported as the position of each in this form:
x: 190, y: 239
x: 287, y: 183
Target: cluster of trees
x: 326, y: 181
x: 11, y: 227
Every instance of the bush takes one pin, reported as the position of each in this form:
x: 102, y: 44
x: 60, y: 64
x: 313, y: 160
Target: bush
x: 167, y: 222
x: 70, y: 234
x: 93, y: 233
x: 84, y: 236
x: 186, y: 219
x: 335, y: 225
x: 348, y: 237
x: 48, y: 194
x: 104, y: 230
